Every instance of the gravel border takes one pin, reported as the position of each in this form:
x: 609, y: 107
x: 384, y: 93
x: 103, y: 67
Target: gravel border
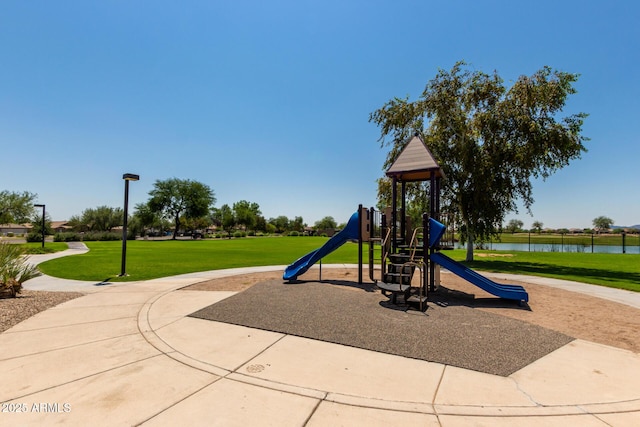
x: 28, y: 303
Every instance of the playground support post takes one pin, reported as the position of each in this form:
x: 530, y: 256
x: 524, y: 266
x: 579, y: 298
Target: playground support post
x: 394, y: 213
x: 403, y: 213
x: 360, y: 244
x: 434, y: 213
x: 429, y: 273
x: 383, y: 243
x: 371, y: 215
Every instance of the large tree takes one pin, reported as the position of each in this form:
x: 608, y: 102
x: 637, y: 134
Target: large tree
x: 281, y: 223
x: 175, y: 197
x: 144, y: 218
x: 325, y: 223
x: 228, y: 221
x: 36, y: 224
x: 297, y: 224
x: 602, y: 223
x: 246, y: 213
x: 102, y: 218
x: 514, y: 225
x: 490, y: 140
x: 16, y: 207
x: 537, y: 226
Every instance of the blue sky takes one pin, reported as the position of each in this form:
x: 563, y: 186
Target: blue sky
x: 269, y: 101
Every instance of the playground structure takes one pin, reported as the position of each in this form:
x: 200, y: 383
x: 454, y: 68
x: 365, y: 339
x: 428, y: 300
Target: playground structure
x: 405, y: 248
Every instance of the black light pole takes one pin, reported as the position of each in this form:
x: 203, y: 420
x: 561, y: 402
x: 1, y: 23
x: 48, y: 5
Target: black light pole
x: 43, y: 231
x: 127, y: 177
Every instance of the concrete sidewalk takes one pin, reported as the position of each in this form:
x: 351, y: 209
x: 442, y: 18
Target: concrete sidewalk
x: 127, y: 354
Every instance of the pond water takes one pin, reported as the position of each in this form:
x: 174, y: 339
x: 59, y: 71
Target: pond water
x: 558, y: 247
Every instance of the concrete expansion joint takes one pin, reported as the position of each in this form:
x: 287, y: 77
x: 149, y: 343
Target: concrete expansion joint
x: 435, y: 394
x: 250, y: 372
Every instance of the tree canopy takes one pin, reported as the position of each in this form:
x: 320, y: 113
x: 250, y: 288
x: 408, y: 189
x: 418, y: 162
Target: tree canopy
x: 326, y: 223
x: 246, y: 213
x: 602, y: 223
x: 537, y: 226
x: 16, y: 207
x: 175, y: 197
x: 102, y: 218
x: 490, y: 140
x: 226, y: 218
x: 514, y: 225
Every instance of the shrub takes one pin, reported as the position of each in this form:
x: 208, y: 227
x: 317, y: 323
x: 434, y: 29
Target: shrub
x: 67, y: 237
x: 103, y: 236
x: 34, y: 237
x: 239, y: 234
x: 14, y: 270
x: 9, y: 234
x: 294, y: 233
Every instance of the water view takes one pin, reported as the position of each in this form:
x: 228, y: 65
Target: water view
x: 560, y: 247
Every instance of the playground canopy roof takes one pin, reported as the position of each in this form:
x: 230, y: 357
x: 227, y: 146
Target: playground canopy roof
x: 415, y: 163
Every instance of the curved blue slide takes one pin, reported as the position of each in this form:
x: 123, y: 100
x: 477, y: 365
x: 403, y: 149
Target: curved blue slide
x: 513, y: 292
x: 301, y: 265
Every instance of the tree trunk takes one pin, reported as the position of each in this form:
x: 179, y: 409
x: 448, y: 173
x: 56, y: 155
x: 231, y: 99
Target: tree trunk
x: 469, y: 247
x: 177, y: 225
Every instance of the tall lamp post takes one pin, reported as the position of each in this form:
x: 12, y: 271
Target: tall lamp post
x: 43, y: 225
x: 127, y: 177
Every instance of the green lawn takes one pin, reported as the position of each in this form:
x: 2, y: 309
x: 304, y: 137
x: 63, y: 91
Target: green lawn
x: 153, y: 259
x: 612, y: 270
x: 49, y: 247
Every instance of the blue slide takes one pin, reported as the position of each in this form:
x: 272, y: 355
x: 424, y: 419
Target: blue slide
x: 301, y: 265
x: 513, y: 292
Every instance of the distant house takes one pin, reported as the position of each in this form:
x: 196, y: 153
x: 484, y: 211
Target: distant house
x: 14, y: 229
x: 24, y: 229
x: 60, y: 226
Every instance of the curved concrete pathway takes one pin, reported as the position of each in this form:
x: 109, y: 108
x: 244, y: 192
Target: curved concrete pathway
x: 128, y: 354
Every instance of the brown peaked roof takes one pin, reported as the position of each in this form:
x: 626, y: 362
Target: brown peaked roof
x: 415, y: 163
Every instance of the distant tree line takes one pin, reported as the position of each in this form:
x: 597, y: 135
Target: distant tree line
x: 600, y: 224
x: 175, y: 206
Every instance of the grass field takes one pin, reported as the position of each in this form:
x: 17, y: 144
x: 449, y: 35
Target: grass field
x: 612, y: 270
x: 49, y: 247
x: 153, y: 259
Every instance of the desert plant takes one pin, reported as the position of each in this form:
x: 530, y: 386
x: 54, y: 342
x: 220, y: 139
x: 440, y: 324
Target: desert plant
x: 14, y: 270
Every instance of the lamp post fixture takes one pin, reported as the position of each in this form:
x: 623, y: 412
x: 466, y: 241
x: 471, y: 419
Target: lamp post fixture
x: 43, y: 225
x: 127, y: 177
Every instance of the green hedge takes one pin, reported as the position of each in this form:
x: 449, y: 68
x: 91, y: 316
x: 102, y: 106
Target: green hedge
x: 102, y: 236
